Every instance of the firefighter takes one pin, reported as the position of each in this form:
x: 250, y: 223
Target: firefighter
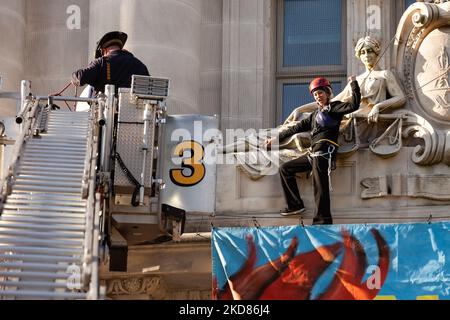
x: 323, y: 124
x: 112, y: 65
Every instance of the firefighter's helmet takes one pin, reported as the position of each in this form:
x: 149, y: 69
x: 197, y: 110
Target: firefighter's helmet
x: 111, y: 38
x: 320, y: 83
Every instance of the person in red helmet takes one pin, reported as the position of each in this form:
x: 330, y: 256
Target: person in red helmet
x: 323, y: 124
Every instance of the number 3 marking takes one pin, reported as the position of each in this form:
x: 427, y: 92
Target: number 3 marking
x: 193, y: 163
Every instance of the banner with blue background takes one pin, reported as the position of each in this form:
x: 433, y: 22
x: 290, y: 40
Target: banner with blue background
x: 352, y: 262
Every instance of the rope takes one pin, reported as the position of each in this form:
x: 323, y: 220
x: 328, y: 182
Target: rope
x: 326, y: 155
x: 61, y: 92
x: 76, y: 95
x: 251, y: 218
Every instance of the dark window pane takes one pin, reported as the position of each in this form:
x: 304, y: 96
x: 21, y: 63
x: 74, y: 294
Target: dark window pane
x: 297, y: 94
x: 312, y: 32
x: 408, y: 3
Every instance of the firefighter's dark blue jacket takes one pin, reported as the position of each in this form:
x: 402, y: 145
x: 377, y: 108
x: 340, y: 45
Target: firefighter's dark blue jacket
x: 122, y: 66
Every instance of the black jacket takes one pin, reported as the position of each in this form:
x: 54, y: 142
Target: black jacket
x: 326, y: 125
x: 123, y: 65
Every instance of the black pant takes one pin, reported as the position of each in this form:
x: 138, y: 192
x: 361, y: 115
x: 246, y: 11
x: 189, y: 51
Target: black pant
x: 319, y: 168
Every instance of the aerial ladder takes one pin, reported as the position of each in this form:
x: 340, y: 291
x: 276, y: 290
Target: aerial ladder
x: 57, y: 199
x: 51, y: 216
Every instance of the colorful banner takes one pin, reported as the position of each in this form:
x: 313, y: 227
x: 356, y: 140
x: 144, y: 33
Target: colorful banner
x: 352, y: 262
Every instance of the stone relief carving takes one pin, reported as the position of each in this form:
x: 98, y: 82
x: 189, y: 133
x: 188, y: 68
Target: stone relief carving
x: 423, y: 62
x: 442, y: 86
x: 434, y: 187
x: 153, y: 286
x: 390, y: 141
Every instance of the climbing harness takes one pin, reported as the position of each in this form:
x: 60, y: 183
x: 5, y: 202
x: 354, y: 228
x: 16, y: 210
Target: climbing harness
x: 326, y: 155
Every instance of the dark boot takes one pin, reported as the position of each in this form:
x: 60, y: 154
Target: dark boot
x: 322, y: 221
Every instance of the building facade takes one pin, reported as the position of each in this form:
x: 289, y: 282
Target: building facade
x: 250, y: 63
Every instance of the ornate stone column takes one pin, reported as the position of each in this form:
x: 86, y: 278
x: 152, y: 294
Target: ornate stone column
x: 56, y: 43
x: 247, y: 63
x: 12, y: 38
x: 165, y: 35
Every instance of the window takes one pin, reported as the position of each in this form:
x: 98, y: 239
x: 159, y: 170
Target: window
x: 312, y: 34
x: 408, y: 3
x: 400, y: 8
x: 296, y: 94
x: 311, y: 43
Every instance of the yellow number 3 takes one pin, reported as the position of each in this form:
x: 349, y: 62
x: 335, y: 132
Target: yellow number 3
x: 193, y: 163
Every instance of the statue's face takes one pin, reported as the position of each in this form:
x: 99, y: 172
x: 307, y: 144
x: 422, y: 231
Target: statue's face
x: 322, y: 97
x: 368, y: 56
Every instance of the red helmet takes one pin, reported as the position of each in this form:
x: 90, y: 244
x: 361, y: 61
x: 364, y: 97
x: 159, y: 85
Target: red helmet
x: 318, y: 83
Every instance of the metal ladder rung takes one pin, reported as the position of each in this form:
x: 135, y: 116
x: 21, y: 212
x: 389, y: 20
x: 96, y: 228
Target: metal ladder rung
x: 39, y: 258
x: 66, y: 133
x: 73, y: 120
x: 65, y: 113
x: 37, y: 201
x: 40, y: 157
x: 49, y: 221
x: 52, y: 141
x: 45, y: 196
x: 49, y: 189
x: 60, y: 165
x: 72, y: 124
x: 67, y: 128
x: 81, y: 145
x: 79, y: 137
x: 68, y: 116
x: 35, y: 226
x: 33, y: 241
x: 39, y: 214
x: 33, y: 284
x: 75, y: 142
x: 64, y: 117
x: 34, y: 274
x: 32, y: 170
x: 57, y: 152
x: 43, y: 234
x: 35, y: 266
x: 54, y: 155
x: 45, y: 208
x: 52, y: 165
x: 55, y: 147
x: 30, y: 294
x: 68, y: 123
x: 26, y: 182
x: 55, y: 176
x: 55, y: 162
x: 53, y: 138
x: 68, y: 119
x: 39, y: 250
